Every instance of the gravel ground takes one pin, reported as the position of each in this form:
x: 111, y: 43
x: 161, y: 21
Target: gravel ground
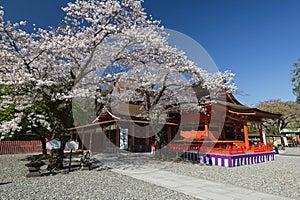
x: 80, y: 184
x: 279, y: 177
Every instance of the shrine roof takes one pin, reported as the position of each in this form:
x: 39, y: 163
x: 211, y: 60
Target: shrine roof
x: 235, y: 107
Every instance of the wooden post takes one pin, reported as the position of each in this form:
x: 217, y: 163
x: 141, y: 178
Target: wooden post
x: 246, y: 135
x: 51, y: 159
x: 206, y: 128
x: 82, y: 140
x: 132, y: 130
x: 237, y: 131
x: 70, y: 135
x: 70, y: 160
x: 117, y: 133
x: 169, y: 131
x: 91, y: 140
x: 147, y: 135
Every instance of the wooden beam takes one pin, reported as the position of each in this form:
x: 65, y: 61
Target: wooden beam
x: 241, y: 113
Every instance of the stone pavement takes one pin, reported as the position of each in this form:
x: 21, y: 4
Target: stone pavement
x: 198, y: 188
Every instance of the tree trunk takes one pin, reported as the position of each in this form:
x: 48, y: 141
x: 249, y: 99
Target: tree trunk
x: 159, y: 144
x: 60, y: 113
x: 44, y: 150
x: 63, y: 141
x: 42, y: 136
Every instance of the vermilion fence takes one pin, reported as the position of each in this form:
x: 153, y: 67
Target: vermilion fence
x: 14, y: 147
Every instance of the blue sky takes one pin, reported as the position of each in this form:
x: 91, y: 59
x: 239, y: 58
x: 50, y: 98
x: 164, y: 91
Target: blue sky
x: 258, y: 40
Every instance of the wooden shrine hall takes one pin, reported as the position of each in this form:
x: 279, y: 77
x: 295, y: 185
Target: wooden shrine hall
x: 226, y: 144
x: 224, y: 139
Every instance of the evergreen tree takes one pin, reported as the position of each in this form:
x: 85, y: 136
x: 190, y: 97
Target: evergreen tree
x: 296, y: 80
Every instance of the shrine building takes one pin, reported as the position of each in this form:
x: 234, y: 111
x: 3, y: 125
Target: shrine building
x: 220, y: 134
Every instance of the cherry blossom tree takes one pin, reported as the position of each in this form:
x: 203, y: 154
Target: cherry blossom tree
x: 167, y: 84
x: 53, y: 67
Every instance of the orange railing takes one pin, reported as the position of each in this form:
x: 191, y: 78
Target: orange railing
x: 193, y: 135
x: 261, y: 148
x: 222, y: 148
x: 228, y: 150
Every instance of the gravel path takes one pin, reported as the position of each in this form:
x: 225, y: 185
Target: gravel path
x: 279, y: 177
x: 80, y: 184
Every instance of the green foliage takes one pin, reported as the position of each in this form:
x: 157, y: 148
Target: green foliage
x: 39, y: 107
x: 9, y: 113
x: 296, y: 80
x: 290, y: 115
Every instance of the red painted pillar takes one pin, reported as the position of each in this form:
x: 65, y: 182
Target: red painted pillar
x: 298, y: 139
x: 246, y: 137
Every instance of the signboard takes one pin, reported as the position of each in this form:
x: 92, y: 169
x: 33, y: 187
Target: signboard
x: 124, y: 139
x: 53, y: 144
x: 72, y: 145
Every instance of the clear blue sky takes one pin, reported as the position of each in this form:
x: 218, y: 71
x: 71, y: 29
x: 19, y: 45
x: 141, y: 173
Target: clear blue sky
x: 258, y: 40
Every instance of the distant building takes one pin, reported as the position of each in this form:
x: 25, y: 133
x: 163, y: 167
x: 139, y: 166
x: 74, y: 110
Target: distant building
x: 291, y: 136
